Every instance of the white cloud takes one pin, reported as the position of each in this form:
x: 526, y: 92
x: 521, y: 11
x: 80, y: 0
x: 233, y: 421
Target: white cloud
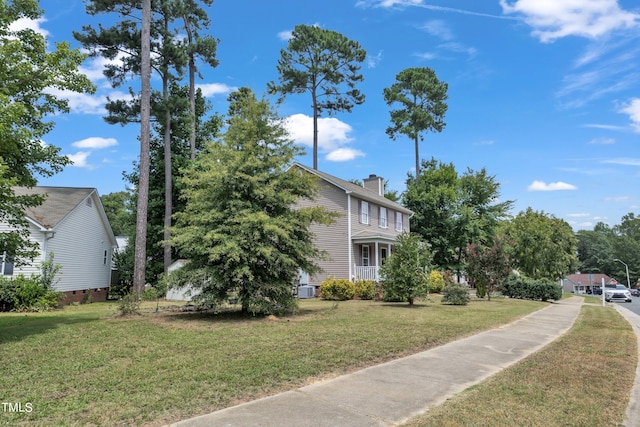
x: 344, y: 155
x: 552, y: 186
x: 554, y: 19
x: 79, y: 159
x: 579, y: 215
x: 425, y: 55
x: 212, y: 89
x: 373, y: 61
x: 438, y: 28
x: 625, y: 161
x: 622, y: 199
x: 26, y: 23
x: 601, y: 126
x: 332, y: 133
x: 95, y: 142
x: 285, y: 35
x: 632, y: 109
x: 602, y: 141
x: 333, y: 136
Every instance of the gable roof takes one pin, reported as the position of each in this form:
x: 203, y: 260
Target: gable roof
x: 357, y: 190
x: 59, y: 202
x: 589, y: 279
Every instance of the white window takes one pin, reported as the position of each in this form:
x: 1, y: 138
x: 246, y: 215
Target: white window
x: 364, y: 212
x: 383, y: 217
x: 6, y: 265
x: 398, y: 221
x: 365, y: 256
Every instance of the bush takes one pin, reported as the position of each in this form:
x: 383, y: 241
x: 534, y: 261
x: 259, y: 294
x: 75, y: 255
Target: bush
x: 150, y: 294
x: 365, y: 289
x: 435, y: 282
x: 455, y: 294
x: 28, y: 294
x: 519, y: 286
x: 7, y: 294
x: 129, y: 304
x: 337, y: 289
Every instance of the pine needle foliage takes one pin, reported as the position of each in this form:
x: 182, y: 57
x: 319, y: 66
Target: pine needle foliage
x: 241, y: 230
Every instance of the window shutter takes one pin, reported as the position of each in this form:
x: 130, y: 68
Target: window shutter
x: 359, y: 211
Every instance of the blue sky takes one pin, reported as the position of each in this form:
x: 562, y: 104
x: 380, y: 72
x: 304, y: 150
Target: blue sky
x: 543, y: 94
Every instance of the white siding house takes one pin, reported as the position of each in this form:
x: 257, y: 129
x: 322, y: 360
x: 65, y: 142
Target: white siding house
x: 72, y: 225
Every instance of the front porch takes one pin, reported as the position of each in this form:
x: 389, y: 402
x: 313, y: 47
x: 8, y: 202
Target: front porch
x: 370, y: 252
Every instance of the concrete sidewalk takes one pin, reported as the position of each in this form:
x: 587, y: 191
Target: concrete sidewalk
x: 393, y: 392
x: 633, y: 410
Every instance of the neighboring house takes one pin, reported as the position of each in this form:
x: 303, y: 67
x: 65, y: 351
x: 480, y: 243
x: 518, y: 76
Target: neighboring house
x: 363, y: 236
x: 72, y: 225
x: 180, y: 294
x: 584, y: 283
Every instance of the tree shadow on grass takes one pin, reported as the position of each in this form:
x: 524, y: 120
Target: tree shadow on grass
x: 15, y: 328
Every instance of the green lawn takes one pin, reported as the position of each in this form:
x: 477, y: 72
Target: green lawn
x: 581, y: 379
x: 85, y: 365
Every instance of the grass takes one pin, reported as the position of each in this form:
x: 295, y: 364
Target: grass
x: 85, y: 366
x: 581, y: 379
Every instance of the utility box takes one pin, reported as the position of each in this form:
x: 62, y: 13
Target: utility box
x: 306, y: 292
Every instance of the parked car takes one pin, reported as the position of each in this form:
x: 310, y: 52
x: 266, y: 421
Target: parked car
x: 635, y: 292
x: 619, y: 293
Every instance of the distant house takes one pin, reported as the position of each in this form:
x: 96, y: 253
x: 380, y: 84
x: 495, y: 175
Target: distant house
x: 72, y: 225
x: 584, y: 283
x: 363, y: 236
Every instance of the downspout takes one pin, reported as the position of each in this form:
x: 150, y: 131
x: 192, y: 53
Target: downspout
x: 350, y: 245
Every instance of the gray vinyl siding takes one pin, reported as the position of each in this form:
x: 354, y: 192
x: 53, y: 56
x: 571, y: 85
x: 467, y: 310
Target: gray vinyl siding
x: 331, y: 238
x: 79, y: 246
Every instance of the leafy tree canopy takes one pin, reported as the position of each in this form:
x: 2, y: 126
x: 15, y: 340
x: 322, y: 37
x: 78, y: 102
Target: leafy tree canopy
x: 453, y: 210
x: 240, y: 229
x: 542, y: 246
x: 31, y: 74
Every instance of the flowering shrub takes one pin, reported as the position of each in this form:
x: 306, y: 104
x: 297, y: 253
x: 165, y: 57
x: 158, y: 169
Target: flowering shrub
x: 435, y: 282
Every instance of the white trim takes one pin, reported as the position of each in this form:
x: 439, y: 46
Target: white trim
x: 368, y: 258
x: 364, y: 206
x: 349, y: 243
x: 385, y: 216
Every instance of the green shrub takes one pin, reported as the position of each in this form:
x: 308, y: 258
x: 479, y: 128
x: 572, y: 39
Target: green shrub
x: 455, y: 294
x: 520, y: 286
x: 129, y: 304
x: 337, y: 289
x: 481, y: 292
x: 435, y: 282
x: 31, y: 295
x: 150, y: 294
x: 365, y: 289
x: 7, y: 294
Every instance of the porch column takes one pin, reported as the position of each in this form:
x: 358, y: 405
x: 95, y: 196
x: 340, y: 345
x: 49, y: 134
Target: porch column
x: 377, y: 262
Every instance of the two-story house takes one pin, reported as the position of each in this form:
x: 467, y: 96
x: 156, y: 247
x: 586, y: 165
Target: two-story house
x: 363, y: 236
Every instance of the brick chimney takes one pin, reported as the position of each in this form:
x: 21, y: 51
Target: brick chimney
x: 374, y: 183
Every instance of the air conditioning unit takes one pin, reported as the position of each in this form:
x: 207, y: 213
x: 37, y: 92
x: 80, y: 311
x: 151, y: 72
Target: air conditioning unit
x: 306, y: 291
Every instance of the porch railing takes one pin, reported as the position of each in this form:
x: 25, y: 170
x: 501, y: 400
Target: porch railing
x: 367, y: 273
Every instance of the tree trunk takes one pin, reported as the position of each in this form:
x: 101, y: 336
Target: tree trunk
x: 192, y: 88
x: 315, y: 126
x: 168, y: 188
x: 417, y: 140
x: 140, y: 258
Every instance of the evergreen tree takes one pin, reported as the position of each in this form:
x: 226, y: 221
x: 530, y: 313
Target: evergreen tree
x: 321, y: 62
x: 422, y: 100
x: 240, y: 229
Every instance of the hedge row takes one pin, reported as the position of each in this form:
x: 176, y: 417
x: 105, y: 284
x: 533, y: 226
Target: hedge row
x: 518, y: 286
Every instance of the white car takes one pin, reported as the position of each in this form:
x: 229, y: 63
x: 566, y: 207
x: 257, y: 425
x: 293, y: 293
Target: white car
x: 619, y: 293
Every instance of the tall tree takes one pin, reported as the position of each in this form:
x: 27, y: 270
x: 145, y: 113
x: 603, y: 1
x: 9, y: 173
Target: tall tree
x: 422, y: 105
x: 240, y: 229
x: 171, y: 55
x: 198, y: 46
x: 28, y: 67
x: 541, y: 245
x: 452, y: 211
x: 324, y: 63
x: 140, y: 259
